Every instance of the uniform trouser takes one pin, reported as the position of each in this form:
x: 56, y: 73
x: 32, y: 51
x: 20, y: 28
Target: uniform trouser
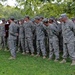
x: 40, y: 44
x: 29, y: 45
x: 12, y: 47
x: 61, y: 43
x: 2, y: 41
x: 6, y: 42
x: 21, y: 44
x: 54, y: 49
x: 69, y: 48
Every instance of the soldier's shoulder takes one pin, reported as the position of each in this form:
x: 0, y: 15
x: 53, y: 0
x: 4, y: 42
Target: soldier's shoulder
x: 12, y: 24
x: 30, y: 22
x: 1, y: 24
x: 41, y: 24
x: 17, y: 25
x: 70, y: 21
x: 52, y: 26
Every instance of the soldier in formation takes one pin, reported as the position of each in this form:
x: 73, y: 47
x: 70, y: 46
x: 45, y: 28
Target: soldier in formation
x: 31, y: 34
x: 2, y: 34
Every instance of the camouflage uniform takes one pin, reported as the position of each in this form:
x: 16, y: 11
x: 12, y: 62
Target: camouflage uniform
x: 2, y: 35
x: 21, y: 38
x: 40, y: 39
x: 12, y: 38
x: 53, y: 41
x: 28, y: 26
x: 68, y: 32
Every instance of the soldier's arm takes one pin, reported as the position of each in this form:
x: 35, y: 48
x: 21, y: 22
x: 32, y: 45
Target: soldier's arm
x: 32, y: 27
x: 4, y: 31
x: 23, y: 30
x: 11, y: 31
x: 44, y: 28
x: 72, y: 26
x: 55, y: 30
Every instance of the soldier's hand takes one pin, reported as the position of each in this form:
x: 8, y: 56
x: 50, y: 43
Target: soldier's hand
x: 4, y: 34
x: 16, y: 34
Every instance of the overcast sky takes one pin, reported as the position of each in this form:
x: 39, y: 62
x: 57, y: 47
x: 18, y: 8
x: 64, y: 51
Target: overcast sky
x: 9, y: 2
x: 13, y: 2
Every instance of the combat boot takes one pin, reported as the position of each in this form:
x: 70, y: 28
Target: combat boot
x: 63, y: 61
x: 32, y: 54
x: 73, y: 62
x: 44, y: 57
x: 27, y: 52
x: 12, y: 58
x: 37, y: 55
x: 49, y: 58
x: 23, y: 53
x: 56, y: 60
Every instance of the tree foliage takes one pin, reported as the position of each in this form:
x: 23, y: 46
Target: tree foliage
x: 38, y: 7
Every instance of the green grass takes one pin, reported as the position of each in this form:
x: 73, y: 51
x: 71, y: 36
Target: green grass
x: 28, y: 65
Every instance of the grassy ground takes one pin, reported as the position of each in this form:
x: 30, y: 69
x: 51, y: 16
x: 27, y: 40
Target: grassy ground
x: 28, y: 65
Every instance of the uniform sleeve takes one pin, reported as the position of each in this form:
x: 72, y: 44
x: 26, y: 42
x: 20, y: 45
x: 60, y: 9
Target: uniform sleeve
x: 72, y: 26
x: 4, y: 30
x: 11, y: 31
x: 55, y: 30
x: 32, y: 27
x: 24, y: 28
x: 44, y: 30
x: 23, y: 31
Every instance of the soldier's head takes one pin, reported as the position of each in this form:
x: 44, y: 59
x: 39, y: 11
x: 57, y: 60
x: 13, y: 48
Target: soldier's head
x: 51, y: 20
x: 11, y: 19
x: 27, y: 18
x: 64, y: 17
x: 16, y: 21
x: 3, y: 20
x: 60, y: 19
x: 37, y: 19
x: 41, y: 18
x: 73, y: 19
x: 45, y: 22
x: 20, y: 22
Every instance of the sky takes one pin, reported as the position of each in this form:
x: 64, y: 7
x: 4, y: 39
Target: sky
x: 14, y: 3
x: 9, y: 2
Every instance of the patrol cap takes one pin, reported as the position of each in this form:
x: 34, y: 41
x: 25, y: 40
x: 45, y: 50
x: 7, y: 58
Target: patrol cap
x: 51, y: 19
x: 12, y: 18
x: 63, y: 15
x: 3, y: 19
x: 27, y: 16
x: 42, y: 17
x: 45, y: 20
x: 22, y: 19
x: 59, y: 18
x: 73, y: 19
x: 37, y: 18
x: 16, y: 21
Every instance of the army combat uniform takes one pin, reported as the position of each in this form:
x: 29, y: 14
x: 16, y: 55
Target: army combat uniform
x: 21, y: 38
x: 2, y: 35
x: 28, y: 37
x: 12, y: 38
x: 68, y: 32
x: 40, y: 39
x: 53, y: 41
